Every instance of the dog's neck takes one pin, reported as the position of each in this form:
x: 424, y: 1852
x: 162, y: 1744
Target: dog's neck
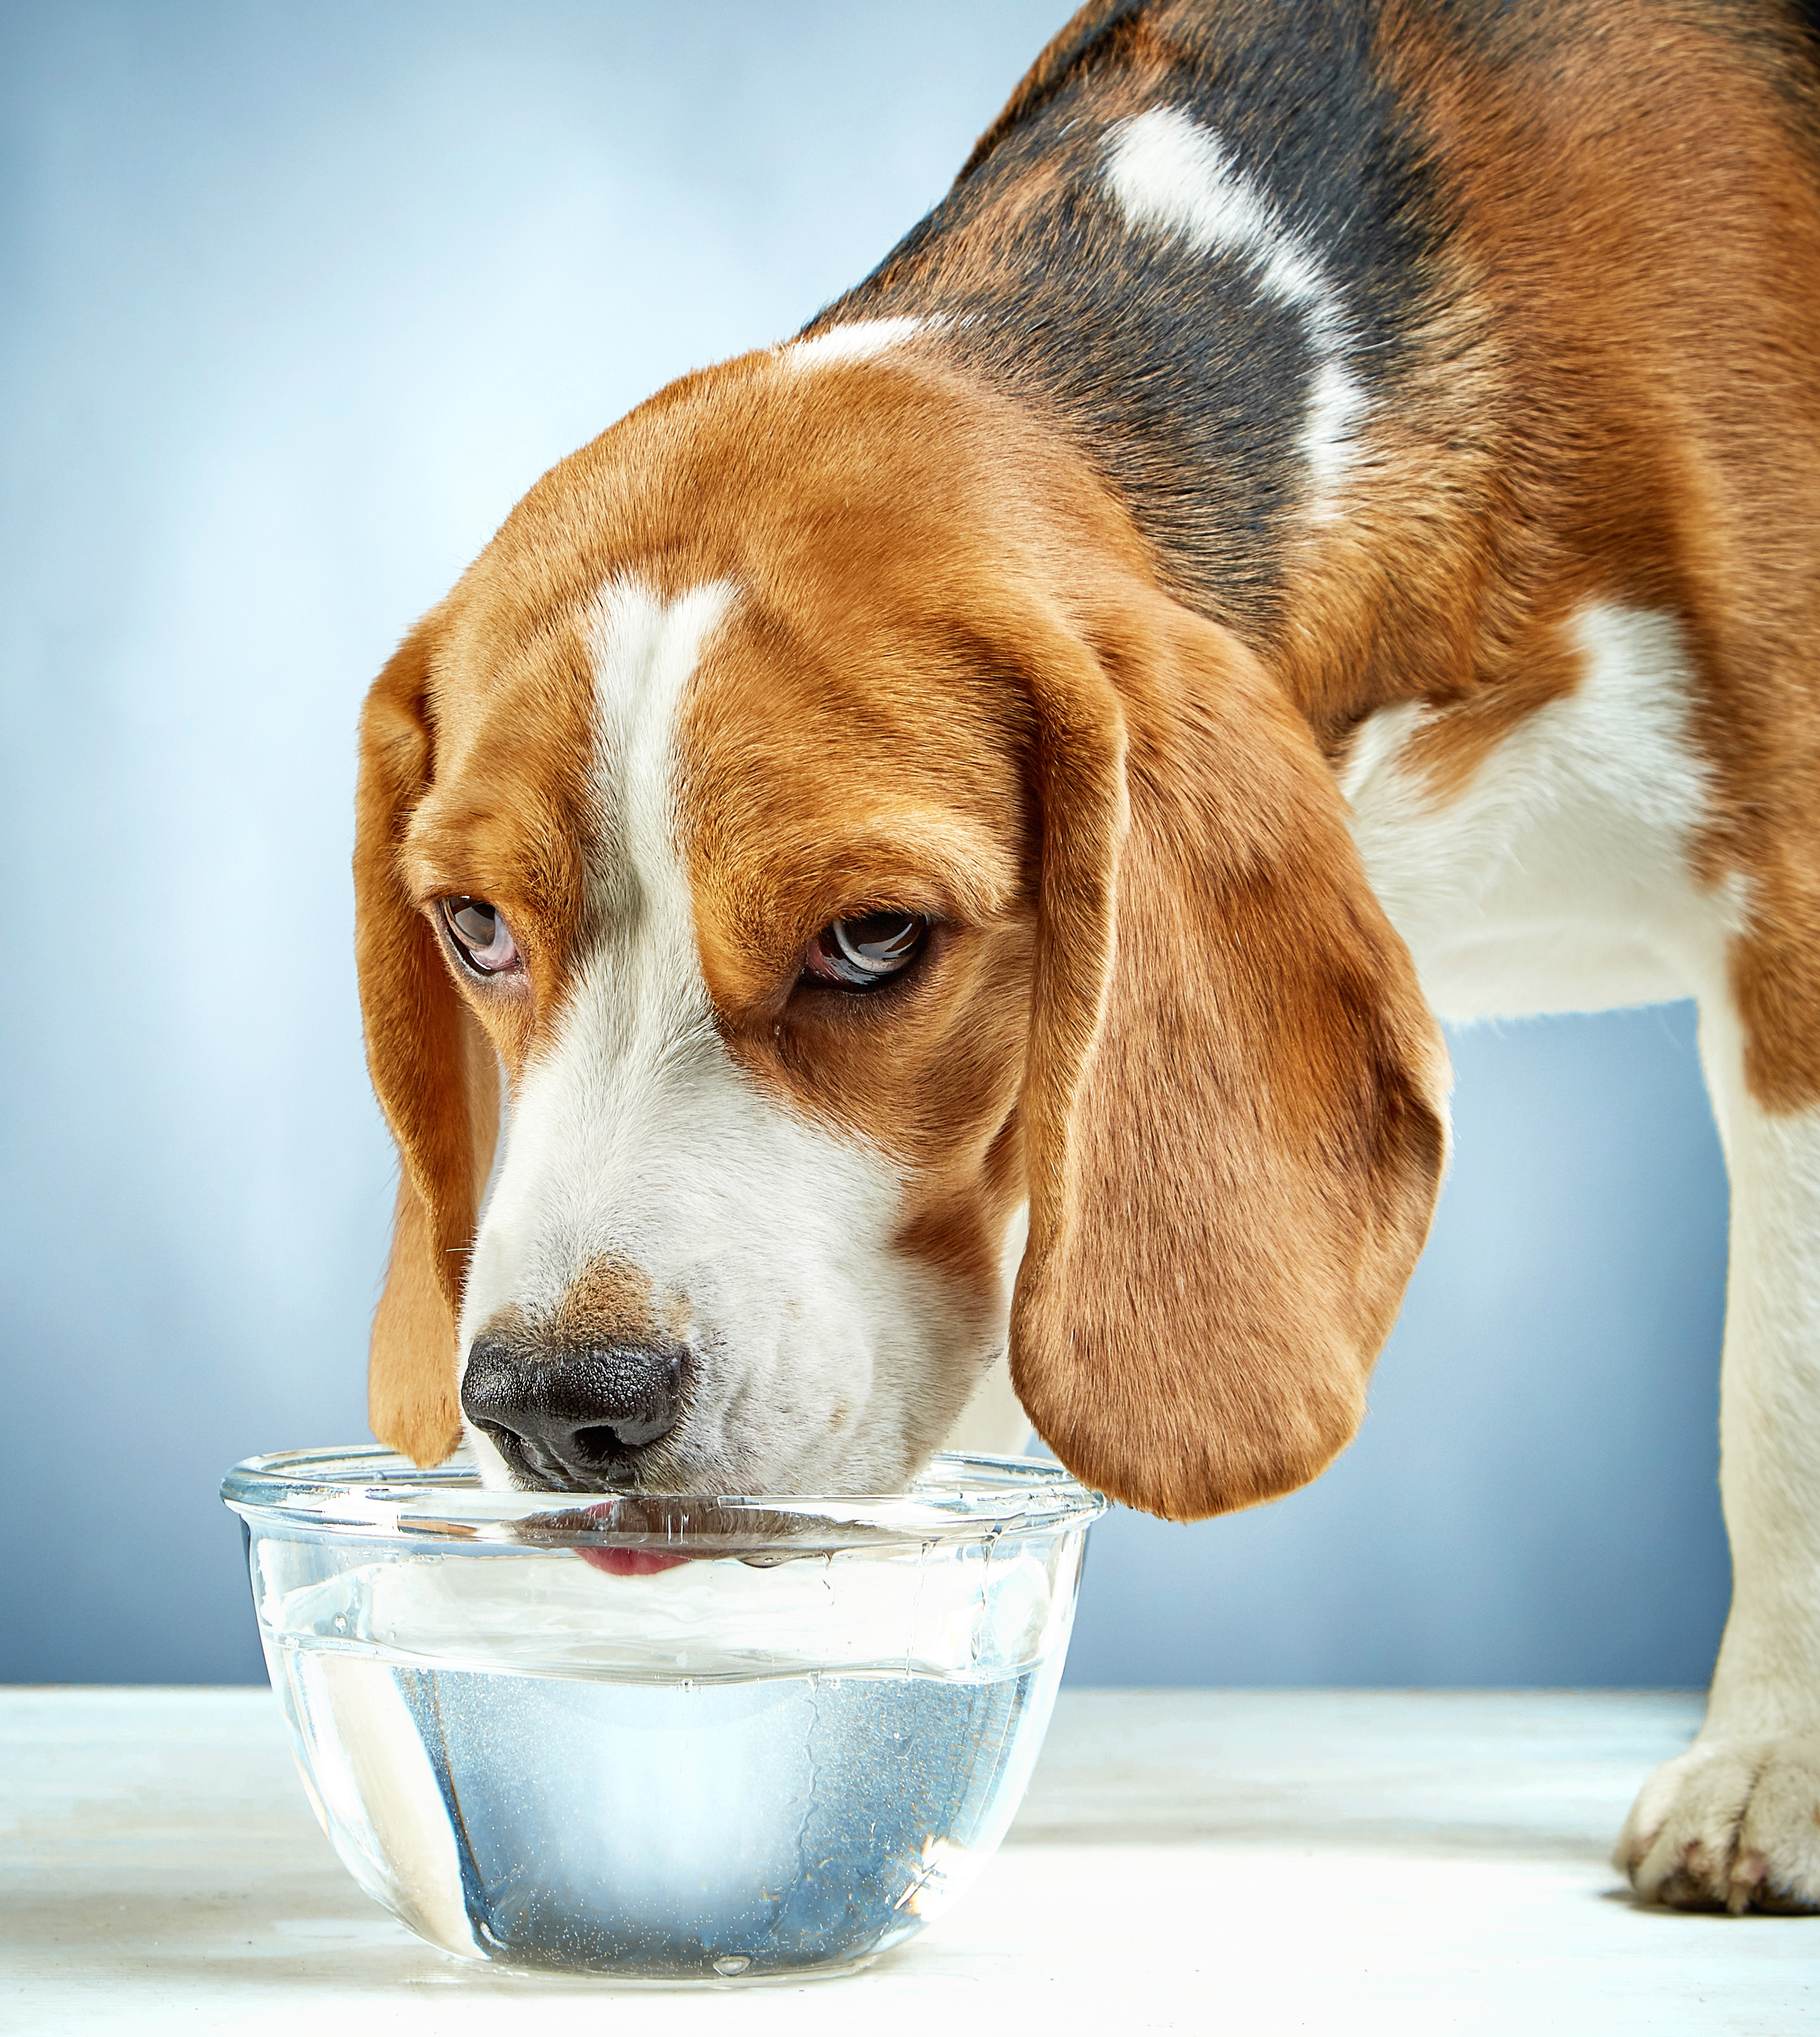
x: 1178, y: 259
x: 1266, y: 331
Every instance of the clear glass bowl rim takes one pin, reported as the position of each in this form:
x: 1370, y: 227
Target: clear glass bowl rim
x: 372, y: 1494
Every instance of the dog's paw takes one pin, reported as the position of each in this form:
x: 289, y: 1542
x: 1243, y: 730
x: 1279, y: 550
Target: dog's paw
x: 1734, y: 1824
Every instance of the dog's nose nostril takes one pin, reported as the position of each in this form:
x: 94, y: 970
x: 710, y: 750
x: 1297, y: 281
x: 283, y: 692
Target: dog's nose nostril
x: 577, y: 1411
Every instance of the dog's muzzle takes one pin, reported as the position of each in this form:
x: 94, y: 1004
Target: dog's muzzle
x: 575, y: 1418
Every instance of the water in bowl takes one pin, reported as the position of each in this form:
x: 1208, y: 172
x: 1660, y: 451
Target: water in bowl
x: 717, y: 1815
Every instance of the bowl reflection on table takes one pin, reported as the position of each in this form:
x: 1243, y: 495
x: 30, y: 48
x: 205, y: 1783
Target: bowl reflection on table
x: 538, y: 1736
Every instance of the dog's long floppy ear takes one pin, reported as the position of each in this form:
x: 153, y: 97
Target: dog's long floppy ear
x: 1234, y: 1113
x: 435, y: 1074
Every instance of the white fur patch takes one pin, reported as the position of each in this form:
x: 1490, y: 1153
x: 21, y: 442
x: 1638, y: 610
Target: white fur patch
x: 1170, y: 174
x: 862, y: 339
x: 822, y: 1358
x: 1736, y: 1814
x: 1558, y: 879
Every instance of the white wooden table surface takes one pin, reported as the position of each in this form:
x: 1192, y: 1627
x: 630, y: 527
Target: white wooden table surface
x: 1250, y: 1863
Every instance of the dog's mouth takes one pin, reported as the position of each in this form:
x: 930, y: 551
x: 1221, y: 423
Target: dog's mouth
x: 649, y: 1533
x: 593, y: 1462
x: 608, y: 1468
x: 631, y: 1563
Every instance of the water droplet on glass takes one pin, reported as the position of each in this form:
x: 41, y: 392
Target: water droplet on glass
x: 730, y: 1963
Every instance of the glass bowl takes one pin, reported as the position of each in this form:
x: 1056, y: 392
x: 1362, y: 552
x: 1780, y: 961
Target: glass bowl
x: 662, y: 1738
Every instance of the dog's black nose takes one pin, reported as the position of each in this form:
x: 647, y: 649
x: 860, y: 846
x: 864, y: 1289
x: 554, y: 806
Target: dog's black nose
x: 568, y: 1412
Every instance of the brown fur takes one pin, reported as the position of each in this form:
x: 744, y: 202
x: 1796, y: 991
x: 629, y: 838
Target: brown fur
x: 1619, y: 401
x: 1234, y: 1110
x: 849, y: 743
x: 1615, y: 397
x: 463, y: 789
x: 433, y: 1083
x: 1191, y: 1332
x: 1160, y: 998
x: 611, y: 1303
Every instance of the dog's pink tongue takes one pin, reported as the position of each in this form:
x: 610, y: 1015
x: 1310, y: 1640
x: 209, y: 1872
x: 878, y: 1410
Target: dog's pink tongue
x: 629, y: 1562
x: 626, y: 1563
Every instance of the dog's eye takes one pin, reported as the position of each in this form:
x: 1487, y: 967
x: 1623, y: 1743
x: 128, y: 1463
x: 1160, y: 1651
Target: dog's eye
x: 481, y: 935
x: 860, y: 953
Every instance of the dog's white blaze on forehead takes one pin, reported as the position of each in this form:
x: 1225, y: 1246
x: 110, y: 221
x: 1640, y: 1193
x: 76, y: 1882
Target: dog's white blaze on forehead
x: 860, y: 339
x: 636, y: 1136
x: 1170, y: 174
x: 645, y: 653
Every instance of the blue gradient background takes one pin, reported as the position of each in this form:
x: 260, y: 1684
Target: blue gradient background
x: 295, y: 301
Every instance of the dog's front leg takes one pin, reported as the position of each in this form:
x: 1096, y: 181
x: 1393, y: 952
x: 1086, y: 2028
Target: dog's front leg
x: 1735, y: 1821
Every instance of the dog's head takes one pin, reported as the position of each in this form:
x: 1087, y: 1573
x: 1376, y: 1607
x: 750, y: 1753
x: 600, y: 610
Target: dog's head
x: 813, y: 803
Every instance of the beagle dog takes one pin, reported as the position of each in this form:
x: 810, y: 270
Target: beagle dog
x: 953, y: 830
